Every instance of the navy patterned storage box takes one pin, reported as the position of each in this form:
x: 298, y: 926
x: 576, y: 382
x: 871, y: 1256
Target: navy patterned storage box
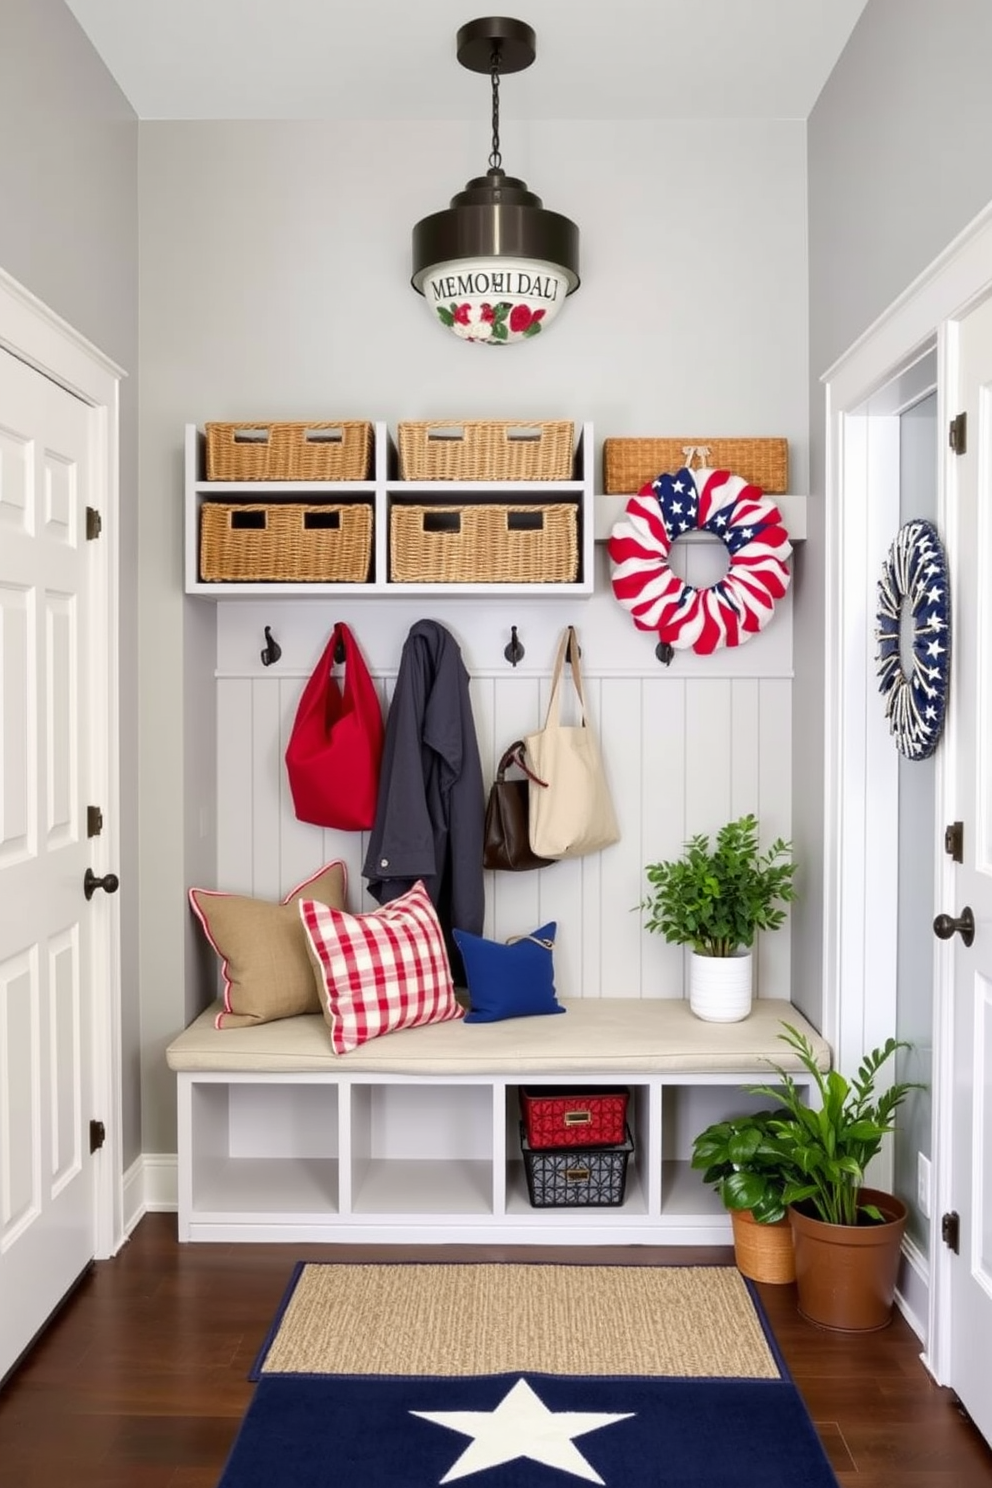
x: 576, y: 1176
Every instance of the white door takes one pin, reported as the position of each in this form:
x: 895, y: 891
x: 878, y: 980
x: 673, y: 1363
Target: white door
x: 48, y: 929
x: 971, y: 1137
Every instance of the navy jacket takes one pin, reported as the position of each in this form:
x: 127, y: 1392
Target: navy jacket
x: 431, y: 809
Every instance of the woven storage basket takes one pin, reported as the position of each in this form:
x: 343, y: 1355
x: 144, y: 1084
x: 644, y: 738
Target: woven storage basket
x: 629, y: 464
x: 288, y: 541
x: 559, y: 1178
x: 486, y: 449
x: 484, y: 544
x: 325, y: 452
x: 763, y: 1252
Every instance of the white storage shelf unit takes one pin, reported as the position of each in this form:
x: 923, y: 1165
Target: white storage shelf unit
x: 381, y: 492
x: 393, y: 1158
x: 596, y: 515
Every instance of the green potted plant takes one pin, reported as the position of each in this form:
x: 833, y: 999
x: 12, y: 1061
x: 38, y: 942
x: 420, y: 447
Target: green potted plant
x: 745, y: 1161
x: 715, y: 900
x: 847, y: 1237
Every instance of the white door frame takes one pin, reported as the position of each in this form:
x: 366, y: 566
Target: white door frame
x: 860, y: 821
x: 37, y: 336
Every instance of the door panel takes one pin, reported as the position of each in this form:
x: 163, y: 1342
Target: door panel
x: 61, y: 723
x: 971, y: 1137
x: 47, y: 1188
x: 20, y: 1103
x: 65, y: 1035
x: 17, y: 723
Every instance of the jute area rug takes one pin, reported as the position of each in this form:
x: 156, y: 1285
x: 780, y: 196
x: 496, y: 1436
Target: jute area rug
x: 522, y: 1376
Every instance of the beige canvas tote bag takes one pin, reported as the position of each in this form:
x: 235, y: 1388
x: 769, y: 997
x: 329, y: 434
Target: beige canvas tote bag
x: 571, y: 812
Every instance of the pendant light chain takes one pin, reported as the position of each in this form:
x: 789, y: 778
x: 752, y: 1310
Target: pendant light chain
x: 495, y: 158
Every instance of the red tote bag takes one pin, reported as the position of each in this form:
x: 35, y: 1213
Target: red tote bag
x: 335, y: 748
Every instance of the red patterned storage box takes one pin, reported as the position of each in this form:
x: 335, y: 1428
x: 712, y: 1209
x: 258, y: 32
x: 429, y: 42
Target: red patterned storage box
x: 561, y: 1116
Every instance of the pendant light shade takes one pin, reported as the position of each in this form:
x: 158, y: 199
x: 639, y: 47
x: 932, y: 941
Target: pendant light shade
x: 496, y: 266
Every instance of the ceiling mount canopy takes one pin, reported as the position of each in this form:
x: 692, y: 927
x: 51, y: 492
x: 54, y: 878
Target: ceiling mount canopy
x: 495, y: 266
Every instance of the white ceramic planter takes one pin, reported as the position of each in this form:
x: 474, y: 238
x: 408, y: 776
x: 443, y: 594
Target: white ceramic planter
x: 720, y: 986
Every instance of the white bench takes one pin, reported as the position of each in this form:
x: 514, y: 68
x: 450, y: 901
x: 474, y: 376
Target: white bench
x: 414, y: 1137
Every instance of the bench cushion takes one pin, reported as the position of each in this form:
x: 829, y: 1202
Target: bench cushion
x: 598, y: 1036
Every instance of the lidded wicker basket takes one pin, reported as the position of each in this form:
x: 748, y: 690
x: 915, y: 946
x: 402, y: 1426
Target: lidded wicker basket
x: 629, y: 464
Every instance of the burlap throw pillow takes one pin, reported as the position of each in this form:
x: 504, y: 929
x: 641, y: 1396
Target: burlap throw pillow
x: 265, y: 962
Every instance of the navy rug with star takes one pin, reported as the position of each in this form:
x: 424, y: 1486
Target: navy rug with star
x: 501, y: 1431
x: 523, y: 1376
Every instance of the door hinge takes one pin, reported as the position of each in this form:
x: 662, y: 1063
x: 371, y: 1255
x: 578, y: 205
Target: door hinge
x: 958, y: 436
x: 98, y: 1135
x: 950, y: 1230
x: 94, y: 821
x: 954, y: 841
x: 94, y: 523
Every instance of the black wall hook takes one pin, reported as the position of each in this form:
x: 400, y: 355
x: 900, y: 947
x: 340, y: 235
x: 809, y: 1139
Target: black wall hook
x: 573, y: 640
x: 514, y: 652
x: 665, y: 653
x: 339, y: 652
x: 272, y: 651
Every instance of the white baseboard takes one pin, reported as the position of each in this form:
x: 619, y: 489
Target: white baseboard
x: 151, y: 1186
x: 913, y: 1289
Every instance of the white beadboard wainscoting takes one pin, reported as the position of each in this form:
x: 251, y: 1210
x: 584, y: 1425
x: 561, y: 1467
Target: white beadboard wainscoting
x: 686, y: 748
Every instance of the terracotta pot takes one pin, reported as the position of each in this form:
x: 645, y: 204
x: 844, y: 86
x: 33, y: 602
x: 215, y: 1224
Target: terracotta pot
x: 846, y: 1274
x: 763, y: 1251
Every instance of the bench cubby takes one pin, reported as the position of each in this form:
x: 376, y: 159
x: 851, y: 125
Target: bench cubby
x: 414, y: 1138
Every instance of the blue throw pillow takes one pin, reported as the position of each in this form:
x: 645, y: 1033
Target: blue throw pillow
x: 509, y: 981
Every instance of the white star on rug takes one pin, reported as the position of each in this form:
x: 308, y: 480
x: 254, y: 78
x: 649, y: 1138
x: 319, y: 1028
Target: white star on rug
x: 522, y: 1426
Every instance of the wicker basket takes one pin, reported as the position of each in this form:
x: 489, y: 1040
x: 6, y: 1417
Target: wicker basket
x: 763, y: 1252
x: 484, y: 544
x: 285, y: 541
x: 583, y: 1177
x: 628, y: 464
x: 305, y: 452
x: 486, y: 450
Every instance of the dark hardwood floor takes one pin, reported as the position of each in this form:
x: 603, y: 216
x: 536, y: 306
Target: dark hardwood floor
x: 140, y: 1382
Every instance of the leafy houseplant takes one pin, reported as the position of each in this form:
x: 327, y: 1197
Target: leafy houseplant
x: 830, y: 1148
x: 742, y: 1159
x: 715, y: 900
x: 847, y: 1238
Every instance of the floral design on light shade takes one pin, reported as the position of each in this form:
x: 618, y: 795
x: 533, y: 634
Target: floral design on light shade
x: 492, y: 324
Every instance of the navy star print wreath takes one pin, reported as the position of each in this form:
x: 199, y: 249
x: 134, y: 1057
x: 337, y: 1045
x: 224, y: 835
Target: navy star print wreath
x: 915, y: 571
x: 727, y: 613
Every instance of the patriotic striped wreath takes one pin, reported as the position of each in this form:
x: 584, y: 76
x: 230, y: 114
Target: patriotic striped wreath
x: 914, y: 575
x: 726, y: 613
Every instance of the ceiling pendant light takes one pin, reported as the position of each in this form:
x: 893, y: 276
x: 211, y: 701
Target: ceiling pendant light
x: 496, y: 266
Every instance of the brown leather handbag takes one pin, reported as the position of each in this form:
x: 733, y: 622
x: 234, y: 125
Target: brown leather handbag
x: 507, y: 837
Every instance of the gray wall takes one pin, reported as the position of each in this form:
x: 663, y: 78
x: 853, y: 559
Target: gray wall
x: 69, y: 233
x: 275, y: 263
x: 278, y: 287
x: 898, y: 164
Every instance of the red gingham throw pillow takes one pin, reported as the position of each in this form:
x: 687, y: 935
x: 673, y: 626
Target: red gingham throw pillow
x: 380, y: 971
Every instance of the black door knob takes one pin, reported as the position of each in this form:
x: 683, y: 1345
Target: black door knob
x: 944, y: 926
x: 109, y: 883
